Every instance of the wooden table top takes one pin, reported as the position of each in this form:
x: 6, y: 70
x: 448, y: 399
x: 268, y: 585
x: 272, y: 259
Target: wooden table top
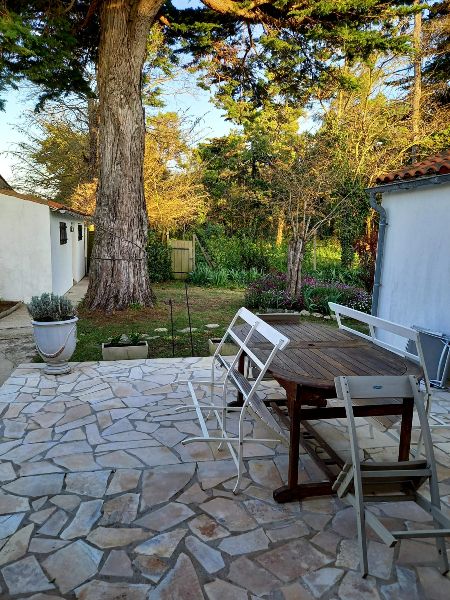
x: 318, y: 353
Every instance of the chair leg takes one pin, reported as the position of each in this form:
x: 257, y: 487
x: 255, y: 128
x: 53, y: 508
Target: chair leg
x: 240, y: 453
x: 224, y: 415
x: 362, y: 541
x: 442, y: 551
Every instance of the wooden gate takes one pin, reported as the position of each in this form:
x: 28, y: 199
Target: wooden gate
x: 183, y: 257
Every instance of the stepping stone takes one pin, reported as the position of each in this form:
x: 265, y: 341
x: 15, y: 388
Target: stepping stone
x: 122, y: 509
x: 25, y: 577
x: 161, y: 483
x: 212, y: 325
x: 110, y: 537
x: 187, y: 329
x: 72, y: 565
x: 87, y: 515
x: 161, y: 329
x: 16, y: 546
x: 163, y: 545
x: 245, y: 543
x: 87, y: 484
x: 36, y: 485
x: 181, y: 583
x: 207, y: 529
x: 292, y: 560
x: 230, y: 514
x: 168, y: 516
x: 117, y: 565
x: 123, y: 480
x: 210, y: 559
x: 101, y: 590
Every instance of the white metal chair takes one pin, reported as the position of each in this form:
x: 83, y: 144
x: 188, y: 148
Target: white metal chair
x: 389, y: 481
x: 252, y: 402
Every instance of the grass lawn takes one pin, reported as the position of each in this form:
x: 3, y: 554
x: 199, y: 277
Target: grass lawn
x: 208, y: 305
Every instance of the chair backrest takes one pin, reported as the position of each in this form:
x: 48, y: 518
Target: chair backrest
x: 406, y: 334
x: 375, y: 387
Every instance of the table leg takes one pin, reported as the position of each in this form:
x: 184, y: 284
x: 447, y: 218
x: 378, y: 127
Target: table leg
x: 406, y: 429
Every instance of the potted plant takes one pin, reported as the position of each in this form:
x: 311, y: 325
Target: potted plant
x: 125, y: 347
x: 55, y: 330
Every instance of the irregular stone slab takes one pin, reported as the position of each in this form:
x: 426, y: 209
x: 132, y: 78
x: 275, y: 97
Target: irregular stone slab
x: 93, y: 435
x: 222, y: 590
x: 151, y: 567
x: 38, y: 468
x: 40, y: 596
x: 147, y: 427
x: 45, y: 546
x: 87, y: 514
x: 293, y: 559
x: 26, y: 452
x: 36, y: 485
x: 264, y: 513
x: 322, y: 580
x: 76, y: 424
x: 129, y: 435
x: 354, y: 587
x: 78, y: 462
x: 66, y: 501
x: 9, y: 524
x: 169, y: 436
x: 16, y: 546
x: 100, y: 590
x: 207, y: 529
x: 119, y: 459
x: 327, y: 540
x: 194, y: 495
x: 163, y: 545
x: 87, y: 484
x: 287, y: 532
x: 47, y: 419
x: 214, y: 472
x: 181, y: 583
x: 13, y: 504
x: 118, y: 427
x: 168, y: 516
x: 69, y: 449
x: 25, y: 577
x: 14, y: 429
x: 117, y: 565
x: 42, y: 515
x: 245, y: 543
x: 39, y: 503
x: 6, y: 446
x: 407, y: 511
x: 74, y: 435
x: 122, y: 509
x: 406, y: 585
x: 265, y: 473
x: 210, y: 559
x: 230, y: 514
x: 246, y: 574
x: 54, y: 524
x: 110, y: 537
x: 75, y: 413
x: 154, y: 456
x: 123, y: 480
x: 7, y: 472
x: 72, y: 565
x: 39, y: 435
x: 161, y: 483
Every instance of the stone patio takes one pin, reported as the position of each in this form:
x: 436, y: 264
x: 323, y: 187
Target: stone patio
x: 100, y: 500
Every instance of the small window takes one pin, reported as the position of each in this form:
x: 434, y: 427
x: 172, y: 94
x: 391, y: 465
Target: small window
x: 62, y: 233
x: 80, y: 232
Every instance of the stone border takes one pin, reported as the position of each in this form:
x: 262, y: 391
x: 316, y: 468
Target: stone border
x: 8, y: 311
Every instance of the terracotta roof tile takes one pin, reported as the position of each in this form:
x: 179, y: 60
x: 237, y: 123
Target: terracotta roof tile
x: 439, y: 164
x: 49, y: 203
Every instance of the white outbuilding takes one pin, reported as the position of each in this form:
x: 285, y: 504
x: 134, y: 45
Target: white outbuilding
x: 412, y: 275
x: 43, y: 245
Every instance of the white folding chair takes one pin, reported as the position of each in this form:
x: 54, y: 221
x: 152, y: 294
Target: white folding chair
x: 389, y: 481
x: 252, y: 403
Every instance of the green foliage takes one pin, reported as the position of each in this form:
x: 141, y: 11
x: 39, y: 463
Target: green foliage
x: 159, y: 259
x: 50, y: 307
x: 222, y: 277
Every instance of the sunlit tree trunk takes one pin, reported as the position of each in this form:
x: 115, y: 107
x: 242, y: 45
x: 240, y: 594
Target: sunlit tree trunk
x: 118, y: 274
x: 280, y: 230
x: 417, y: 81
x: 296, y: 251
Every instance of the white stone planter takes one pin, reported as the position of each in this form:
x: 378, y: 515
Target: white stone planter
x: 56, y: 342
x: 124, y: 351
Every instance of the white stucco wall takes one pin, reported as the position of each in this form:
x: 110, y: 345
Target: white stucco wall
x: 61, y: 254
x: 415, y: 279
x: 78, y: 253
x: 25, y: 263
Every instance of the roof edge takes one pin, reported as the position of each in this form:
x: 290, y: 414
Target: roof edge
x: 405, y: 184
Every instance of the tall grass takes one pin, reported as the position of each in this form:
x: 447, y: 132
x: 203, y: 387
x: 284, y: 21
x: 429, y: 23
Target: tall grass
x: 222, y: 277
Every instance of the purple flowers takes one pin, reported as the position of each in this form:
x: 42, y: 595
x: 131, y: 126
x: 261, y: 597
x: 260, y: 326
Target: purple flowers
x: 269, y: 291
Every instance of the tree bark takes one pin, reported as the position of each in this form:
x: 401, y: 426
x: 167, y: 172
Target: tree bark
x: 280, y: 230
x: 93, y: 139
x: 295, y: 262
x: 417, y: 82
x: 119, y: 274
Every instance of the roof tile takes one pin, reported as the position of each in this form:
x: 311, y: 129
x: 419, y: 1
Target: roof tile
x: 438, y: 164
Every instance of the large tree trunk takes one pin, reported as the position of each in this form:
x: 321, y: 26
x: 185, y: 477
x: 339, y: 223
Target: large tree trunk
x: 295, y: 261
x: 118, y: 274
x: 417, y: 82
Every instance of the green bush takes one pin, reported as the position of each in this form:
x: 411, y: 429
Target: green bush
x: 159, y: 259
x: 221, y: 277
x: 50, y: 307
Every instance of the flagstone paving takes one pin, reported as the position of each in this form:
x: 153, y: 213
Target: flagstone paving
x: 100, y: 500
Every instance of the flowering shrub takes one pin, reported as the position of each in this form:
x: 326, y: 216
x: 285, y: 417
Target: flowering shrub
x: 270, y: 292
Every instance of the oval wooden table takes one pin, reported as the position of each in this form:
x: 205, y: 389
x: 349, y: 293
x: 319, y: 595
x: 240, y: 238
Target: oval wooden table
x: 306, y: 369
